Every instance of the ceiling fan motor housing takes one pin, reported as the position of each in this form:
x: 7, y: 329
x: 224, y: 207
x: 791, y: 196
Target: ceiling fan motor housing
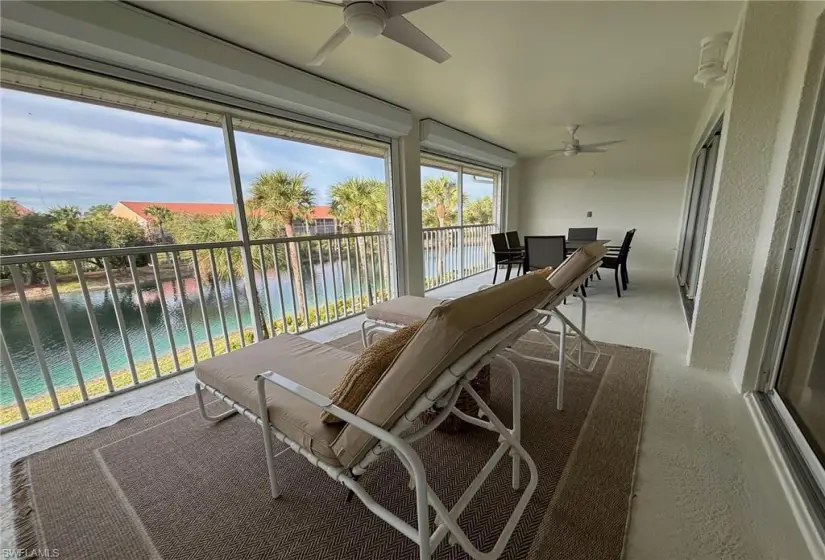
x: 365, y: 19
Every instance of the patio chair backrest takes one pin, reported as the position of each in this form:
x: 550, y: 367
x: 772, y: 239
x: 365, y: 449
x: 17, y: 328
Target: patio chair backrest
x: 451, y: 330
x: 625, y: 247
x: 500, y: 247
x: 541, y: 251
x: 576, y: 264
x: 513, y: 242
x: 582, y: 234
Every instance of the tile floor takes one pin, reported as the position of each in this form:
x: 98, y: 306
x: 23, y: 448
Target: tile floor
x: 704, y: 486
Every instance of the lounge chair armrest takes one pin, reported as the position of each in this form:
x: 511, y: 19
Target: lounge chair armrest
x: 513, y: 252
x: 326, y: 403
x: 413, y: 462
x: 296, y: 388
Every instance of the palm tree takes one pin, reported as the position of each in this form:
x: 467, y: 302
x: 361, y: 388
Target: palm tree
x: 66, y: 218
x: 359, y: 203
x: 439, y: 199
x: 160, y: 215
x: 284, y: 197
x: 479, y: 211
x: 223, y: 227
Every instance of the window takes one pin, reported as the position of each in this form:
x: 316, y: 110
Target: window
x: 459, y: 208
x: 91, y: 163
x: 82, y: 176
x: 307, y: 184
x: 696, y: 220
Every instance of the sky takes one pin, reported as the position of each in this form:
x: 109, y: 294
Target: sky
x: 59, y: 152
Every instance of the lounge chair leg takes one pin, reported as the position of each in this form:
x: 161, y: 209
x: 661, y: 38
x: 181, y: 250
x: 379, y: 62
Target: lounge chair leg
x: 562, y: 361
x: 202, y: 408
x: 495, y: 273
x: 507, y: 275
x: 270, y: 458
x: 516, y: 458
x: 599, y: 276
x: 583, y: 328
x: 618, y: 288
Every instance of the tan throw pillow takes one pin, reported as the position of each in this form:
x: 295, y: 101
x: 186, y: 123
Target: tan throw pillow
x: 366, y: 370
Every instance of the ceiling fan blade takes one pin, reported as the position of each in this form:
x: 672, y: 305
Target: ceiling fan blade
x: 591, y: 150
x: 405, y: 33
x: 331, y: 44
x: 400, y: 7
x: 602, y: 144
x: 330, y: 3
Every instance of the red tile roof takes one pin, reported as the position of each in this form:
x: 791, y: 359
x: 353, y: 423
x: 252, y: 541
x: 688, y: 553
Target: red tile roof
x: 19, y: 209
x: 207, y: 208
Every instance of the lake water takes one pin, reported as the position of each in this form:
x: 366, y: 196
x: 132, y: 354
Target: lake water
x: 28, y: 369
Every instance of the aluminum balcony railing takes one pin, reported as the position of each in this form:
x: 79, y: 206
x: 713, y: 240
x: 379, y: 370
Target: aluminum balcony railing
x: 76, y: 327
x: 455, y: 252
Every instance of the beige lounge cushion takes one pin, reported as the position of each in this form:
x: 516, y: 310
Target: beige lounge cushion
x: 577, y: 264
x: 309, y: 363
x: 404, y: 310
x: 451, y: 329
x: 366, y: 370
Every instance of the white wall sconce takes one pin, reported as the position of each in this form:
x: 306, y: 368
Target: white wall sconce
x: 712, y: 67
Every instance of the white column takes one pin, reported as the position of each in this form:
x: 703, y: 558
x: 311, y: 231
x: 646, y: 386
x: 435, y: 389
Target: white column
x: 410, y: 247
x: 460, y: 219
x: 509, y: 193
x: 742, y: 187
x: 243, y: 230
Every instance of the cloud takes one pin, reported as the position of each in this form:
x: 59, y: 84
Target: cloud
x: 54, y: 151
x: 324, y: 166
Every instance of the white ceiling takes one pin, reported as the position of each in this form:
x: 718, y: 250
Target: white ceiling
x: 520, y: 70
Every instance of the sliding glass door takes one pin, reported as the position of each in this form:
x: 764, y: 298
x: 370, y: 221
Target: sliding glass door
x: 696, y: 219
x: 801, y: 376
x: 792, y: 388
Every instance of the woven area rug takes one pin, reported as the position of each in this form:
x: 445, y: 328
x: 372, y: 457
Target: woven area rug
x: 168, y: 485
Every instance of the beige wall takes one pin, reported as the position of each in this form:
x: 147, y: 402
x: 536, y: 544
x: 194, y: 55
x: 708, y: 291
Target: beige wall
x: 638, y: 184
x: 760, y: 112
x: 122, y: 211
x: 804, y: 76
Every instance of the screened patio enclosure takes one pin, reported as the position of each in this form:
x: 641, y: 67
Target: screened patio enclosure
x: 88, y: 316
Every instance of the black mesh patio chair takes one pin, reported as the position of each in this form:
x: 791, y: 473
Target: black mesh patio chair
x: 584, y: 234
x: 541, y: 251
x: 617, y: 261
x: 503, y: 255
x: 513, y: 242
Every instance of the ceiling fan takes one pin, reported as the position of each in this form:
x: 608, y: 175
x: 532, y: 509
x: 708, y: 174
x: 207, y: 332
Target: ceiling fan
x: 371, y: 18
x: 574, y: 148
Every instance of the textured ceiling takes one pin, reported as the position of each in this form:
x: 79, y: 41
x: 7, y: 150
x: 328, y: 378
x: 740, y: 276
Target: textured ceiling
x: 519, y: 70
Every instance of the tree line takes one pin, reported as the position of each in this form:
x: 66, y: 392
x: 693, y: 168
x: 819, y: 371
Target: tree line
x: 275, y: 201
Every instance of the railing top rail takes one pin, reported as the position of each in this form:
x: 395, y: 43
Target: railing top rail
x: 149, y: 249
x: 465, y: 226
x: 124, y: 251
x: 322, y: 237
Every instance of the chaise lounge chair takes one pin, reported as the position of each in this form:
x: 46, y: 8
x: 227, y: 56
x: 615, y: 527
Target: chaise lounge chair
x: 283, y: 383
x: 394, y: 314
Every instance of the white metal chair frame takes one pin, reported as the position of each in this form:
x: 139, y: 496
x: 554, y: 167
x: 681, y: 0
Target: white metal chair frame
x: 572, y: 350
x: 443, y: 395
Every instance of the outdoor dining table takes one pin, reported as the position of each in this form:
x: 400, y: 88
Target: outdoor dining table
x: 577, y: 244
